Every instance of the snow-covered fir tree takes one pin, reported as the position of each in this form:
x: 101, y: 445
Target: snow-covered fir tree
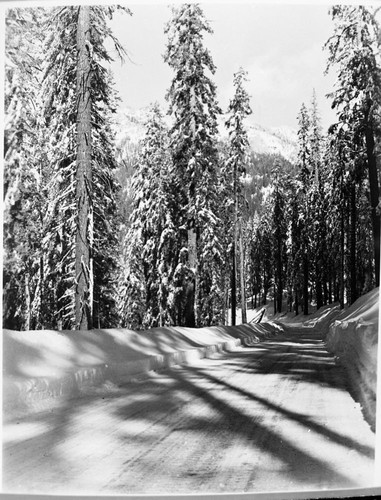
x: 354, y: 49
x: 236, y: 164
x: 147, y: 289
x: 279, y: 229
x: 57, y: 196
x: 24, y: 215
x: 193, y: 145
x: 317, y: 201
x: 304, y: 163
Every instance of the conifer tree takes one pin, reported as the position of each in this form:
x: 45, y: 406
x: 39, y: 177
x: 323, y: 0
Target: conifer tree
x: 354, y: 49
x: 238, y: 159
x: 148, y: 293
x: 84, y: 236
x: 304, y: 173
x: 279, y: 224
x: 295, y: 255
x: 57, y: 127
x: 193, y: 144
x: 24, y: 162
x: 316, y: 201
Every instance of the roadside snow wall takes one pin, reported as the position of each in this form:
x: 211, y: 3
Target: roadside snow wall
x: 40, y: 366
x: 353, y: 339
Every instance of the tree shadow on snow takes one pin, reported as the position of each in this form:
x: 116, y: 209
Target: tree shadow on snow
x: 158, y: 397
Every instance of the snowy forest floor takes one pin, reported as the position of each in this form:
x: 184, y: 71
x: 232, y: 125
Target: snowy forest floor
x: 269, y: 416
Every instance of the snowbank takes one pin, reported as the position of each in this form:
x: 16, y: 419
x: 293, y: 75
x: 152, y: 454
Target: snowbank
x: 251, y: 334
x: 318, y: 319
x: 40, y: 366
x: 353, y: 338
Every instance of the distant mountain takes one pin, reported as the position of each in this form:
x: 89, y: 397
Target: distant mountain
x: 282, y: 141
x: 130, y: 129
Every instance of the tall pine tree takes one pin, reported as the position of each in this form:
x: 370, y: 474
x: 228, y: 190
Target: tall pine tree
x: 238, y: 159
x: 354, y: 50
x: 193, y: 144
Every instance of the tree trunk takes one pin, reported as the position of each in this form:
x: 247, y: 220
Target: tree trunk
x: 305, y: 282
x: 242, y: 273
x: 319, y: 281
x: 352, y: 245
x: 225, y: 303
x: 84, y: 223
x: 279, y: 295
x: 342, y: 256
x: 193, y: 265
x: 326, y: 279
x: 234, y: 281
x: 329, y: 290
x: 374, y: 198
x: 296, y: 303
x: 234, y: 249
x: 27, y: 302
x: 42, y: 295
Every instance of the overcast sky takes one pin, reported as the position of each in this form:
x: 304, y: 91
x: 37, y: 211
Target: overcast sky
x: 280, y: 46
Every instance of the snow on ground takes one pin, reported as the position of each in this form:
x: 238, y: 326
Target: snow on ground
x: 40, y: 366
x: 353, y: 338
x: 316, y: 319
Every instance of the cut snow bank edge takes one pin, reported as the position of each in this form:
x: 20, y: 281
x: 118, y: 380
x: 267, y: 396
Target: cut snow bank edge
x: 353, y: 339
x: 41, y: 366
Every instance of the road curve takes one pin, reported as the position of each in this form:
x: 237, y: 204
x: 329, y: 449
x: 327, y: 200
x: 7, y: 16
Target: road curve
x: 275, y: 417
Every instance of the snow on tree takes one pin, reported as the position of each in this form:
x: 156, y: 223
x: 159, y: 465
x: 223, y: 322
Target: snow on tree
x: 147, y: 287
x: 279, y: 224
x: 61, y: 184
x: 304, y: 174
x: 354, y: 50
x: 237, y: 161
x: 193, y: 144
x: 24, y: 209
x: 318, y: 206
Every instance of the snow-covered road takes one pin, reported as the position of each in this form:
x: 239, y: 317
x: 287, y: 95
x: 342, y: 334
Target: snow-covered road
x: 268, y: 418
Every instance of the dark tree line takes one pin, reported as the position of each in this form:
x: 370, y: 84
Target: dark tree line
x: 332, y: 238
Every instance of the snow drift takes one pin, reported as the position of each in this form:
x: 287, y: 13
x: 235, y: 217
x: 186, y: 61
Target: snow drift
x: 40, y: 366
x: 353, y: 339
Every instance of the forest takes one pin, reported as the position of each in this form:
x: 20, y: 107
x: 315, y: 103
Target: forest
x: 176, y: 234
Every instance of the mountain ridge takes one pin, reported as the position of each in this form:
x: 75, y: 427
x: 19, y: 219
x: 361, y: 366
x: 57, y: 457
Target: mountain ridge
x: 130, y: 127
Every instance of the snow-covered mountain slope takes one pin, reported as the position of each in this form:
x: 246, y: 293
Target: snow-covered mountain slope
x: 130, y: 128
x: 282, y: 141
x: 278, y: 140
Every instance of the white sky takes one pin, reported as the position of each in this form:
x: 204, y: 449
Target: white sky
x: 279, y: 45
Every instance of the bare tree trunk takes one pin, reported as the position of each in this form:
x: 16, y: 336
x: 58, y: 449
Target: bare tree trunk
x: 234, y: 247
x: 194, y: 319
x: 319, y: 279
x: 42, y: 295
x: 342, y: 256
x: 279, y: 295
x: 234, y: 281
x: 374, y: 198
x: 27, y: 302
x: 352, y: 245
x: 305, y: 264
x: 84, y: 229
x: 305, y: 283
x: 224, y: 302
x: 242, y: 273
